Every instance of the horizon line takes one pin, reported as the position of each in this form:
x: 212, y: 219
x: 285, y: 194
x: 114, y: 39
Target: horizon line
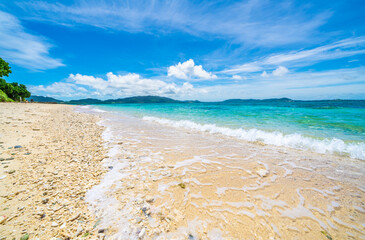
x: 244, y: 99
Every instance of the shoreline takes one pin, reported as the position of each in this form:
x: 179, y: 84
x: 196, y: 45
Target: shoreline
x: 50, y: 157
x: 177, y: 183
x: 90, y: 174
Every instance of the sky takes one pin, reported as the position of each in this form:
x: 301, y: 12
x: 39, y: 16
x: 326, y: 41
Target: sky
x: 187, y: 50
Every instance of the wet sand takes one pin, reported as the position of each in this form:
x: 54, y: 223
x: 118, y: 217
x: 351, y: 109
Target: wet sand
x: 50, y: 157
x: 169, y: 183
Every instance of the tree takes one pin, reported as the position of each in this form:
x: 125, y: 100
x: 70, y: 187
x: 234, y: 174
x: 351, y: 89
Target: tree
x: 15, y: 91
x: 6, y: 87
x: 24, y: 92
x: 4, y: 68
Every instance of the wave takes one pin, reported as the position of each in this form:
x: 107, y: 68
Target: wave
x: 295, y: 140
x: 97, y: 110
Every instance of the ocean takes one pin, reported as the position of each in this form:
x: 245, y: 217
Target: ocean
x: 248, y: 170
x: 336, y: 127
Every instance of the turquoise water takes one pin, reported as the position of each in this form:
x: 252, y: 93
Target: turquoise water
x: 333, y: 126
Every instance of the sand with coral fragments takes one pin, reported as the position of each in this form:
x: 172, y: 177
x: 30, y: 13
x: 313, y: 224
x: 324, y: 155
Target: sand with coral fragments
x: 164, y: 183
x: 50, y: 156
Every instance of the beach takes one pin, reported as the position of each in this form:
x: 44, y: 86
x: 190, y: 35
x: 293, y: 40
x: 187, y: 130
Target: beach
x: 50, y: 157
x: 176, y: 179
x: 182, y: 120
x: 89, y: 172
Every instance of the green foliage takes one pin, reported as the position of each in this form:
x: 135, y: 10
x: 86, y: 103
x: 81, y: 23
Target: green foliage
x: 4, y: 97
x: 15, y: 91
x: 4, y: 68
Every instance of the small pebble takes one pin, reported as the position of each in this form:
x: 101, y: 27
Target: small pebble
x: 142, y: 233
x: 79, y: 231
x: 262, y: 172
x: 150, y: 199
x: 2, y: 219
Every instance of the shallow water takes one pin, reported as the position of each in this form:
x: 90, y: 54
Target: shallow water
x: 212, y: 185
x: 324, y: 126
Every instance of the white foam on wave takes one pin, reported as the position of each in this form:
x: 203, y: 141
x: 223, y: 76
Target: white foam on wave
x: 88, y: 108
x: 97, y: 110
x: 295, y: 140
x: 100, y: 197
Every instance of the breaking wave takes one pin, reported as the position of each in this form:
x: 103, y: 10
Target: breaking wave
x: 295, y: 140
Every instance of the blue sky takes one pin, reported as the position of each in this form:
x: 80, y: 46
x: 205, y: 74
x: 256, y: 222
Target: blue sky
x: 205, y: 50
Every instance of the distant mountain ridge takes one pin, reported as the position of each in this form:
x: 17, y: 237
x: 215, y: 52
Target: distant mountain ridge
x: 44, y: 99
x: 141, y: 99
x: 86, y: 101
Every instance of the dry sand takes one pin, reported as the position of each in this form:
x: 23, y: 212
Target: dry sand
x: 44, y: 179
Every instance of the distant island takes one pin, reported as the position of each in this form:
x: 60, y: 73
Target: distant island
x: 157, y: 99
x: 44, y: 99
x: 87, y: 101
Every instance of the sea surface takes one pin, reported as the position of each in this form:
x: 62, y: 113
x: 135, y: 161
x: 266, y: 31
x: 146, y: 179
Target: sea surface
x: 253, y: 170
x: 336, y: 127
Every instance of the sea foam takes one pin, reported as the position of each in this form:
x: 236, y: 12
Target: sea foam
x: 295, y: 140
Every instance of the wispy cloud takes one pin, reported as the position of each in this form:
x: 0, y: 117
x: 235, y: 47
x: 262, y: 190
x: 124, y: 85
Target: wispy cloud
x: 341, y: 83
x: 189, y: 71
x: 22, y: 48
x: 253, y: 22
x: 344, y: 48
x: 341, y: 49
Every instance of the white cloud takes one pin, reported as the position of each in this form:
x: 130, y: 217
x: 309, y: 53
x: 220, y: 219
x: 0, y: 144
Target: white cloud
x: 188, y: 70
x: 341, y: 83
x: 264, y: 74
x: 22, y: 48
x: 280, y: 71
x: 90, y: 81
x: 237, y: 77
x: 130, y: 84
x: 113, y: 86
x: 60, y: 89
x: 263, y: 23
